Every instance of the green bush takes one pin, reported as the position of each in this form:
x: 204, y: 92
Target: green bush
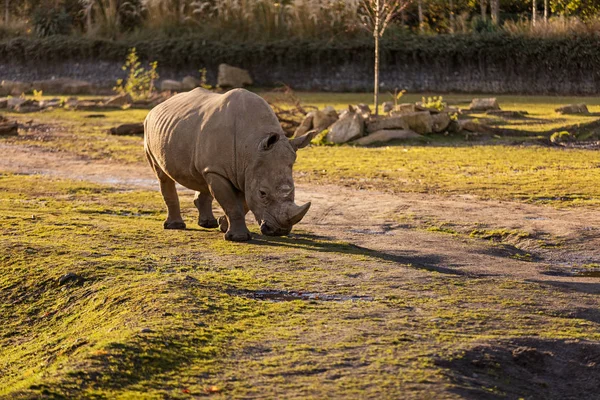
x: 49, y: 22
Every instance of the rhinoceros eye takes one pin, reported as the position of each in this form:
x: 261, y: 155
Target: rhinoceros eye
x: 263, y: 194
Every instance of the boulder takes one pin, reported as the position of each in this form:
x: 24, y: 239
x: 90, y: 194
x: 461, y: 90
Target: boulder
x: 386, y: 123
x: 387, y: 135
x: 233, y: 77
x: 323, y: 119
x: 119, y: 100
x: 388, y: 106
x: 190, y: 83
x: 484, y: 104
x: 403, y: 108
x: 54, y: 103
x: 472, y: 126
x: 128, y: 129
x: 573, y: 109
x: 28, y: 106
x: 13, y: 102
x: 9, y: 128
x: 171, y: 85
x: 349, y: 127
x: 440, y: 122
x: 305, y: 125
x: 86, y: 105
x: 364, y: 110
x: 420, y: 122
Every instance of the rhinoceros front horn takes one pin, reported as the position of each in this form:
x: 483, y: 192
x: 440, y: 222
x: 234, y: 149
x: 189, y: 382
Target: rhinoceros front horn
x: 298, y: 212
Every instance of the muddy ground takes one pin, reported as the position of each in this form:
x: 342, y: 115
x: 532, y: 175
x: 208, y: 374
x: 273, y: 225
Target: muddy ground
x: 453, y: 236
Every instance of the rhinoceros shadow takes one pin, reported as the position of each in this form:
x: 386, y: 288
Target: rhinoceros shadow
x: 324, y: 244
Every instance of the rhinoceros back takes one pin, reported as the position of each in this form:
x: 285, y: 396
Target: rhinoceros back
x: 200, y: 131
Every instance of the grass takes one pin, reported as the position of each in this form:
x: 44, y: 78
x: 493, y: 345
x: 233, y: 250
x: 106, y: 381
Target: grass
x: 155, y: 313
x: 496, y: 169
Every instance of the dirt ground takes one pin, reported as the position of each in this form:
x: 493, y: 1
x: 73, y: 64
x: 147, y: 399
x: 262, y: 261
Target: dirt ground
x: 548, y: 245
x: 462, y: 235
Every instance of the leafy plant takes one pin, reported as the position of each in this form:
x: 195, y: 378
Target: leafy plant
x: 397, y: 95
x: 204, y: 81
x: 561, y: 137
x: 140, y: 81
x: 38, y: 95
x: 435, y: 102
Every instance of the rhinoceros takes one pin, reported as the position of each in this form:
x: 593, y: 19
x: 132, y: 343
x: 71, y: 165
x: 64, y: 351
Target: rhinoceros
x: 229, y: 147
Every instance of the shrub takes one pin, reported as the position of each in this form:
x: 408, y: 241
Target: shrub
x: 140, y: 81
x: 54, y: 21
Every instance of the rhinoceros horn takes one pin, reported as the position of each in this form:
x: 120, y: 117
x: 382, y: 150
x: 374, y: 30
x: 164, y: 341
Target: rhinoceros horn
x: 296, y: 213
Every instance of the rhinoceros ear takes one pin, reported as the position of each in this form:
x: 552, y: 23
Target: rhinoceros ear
x: 268, y: 142
x: 303, y: 141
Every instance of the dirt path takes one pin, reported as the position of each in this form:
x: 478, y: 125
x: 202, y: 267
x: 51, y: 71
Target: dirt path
x: 512, y: 240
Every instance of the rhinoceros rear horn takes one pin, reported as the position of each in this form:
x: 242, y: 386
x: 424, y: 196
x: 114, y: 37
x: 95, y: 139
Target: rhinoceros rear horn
x: 298, y: 212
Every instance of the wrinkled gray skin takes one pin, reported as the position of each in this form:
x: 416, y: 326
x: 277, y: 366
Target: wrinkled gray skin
x: 229, y: 147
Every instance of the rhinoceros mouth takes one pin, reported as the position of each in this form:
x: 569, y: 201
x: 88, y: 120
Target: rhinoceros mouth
x: 270, y: 230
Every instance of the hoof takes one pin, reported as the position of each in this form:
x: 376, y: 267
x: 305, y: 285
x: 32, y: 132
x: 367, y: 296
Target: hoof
x: 223, y: 224
x: 208, y: 223
x: 174, y: 225
x: 238, y: 237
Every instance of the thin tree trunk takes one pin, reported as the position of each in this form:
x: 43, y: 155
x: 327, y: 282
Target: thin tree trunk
x: 376, y: 34
x: 451, y: 16
x: 533, y: 13
x: 6, y: 11
x: 421, y: 23
x: 483, y: 5
x: 545, y: 11
x: 495, y: 11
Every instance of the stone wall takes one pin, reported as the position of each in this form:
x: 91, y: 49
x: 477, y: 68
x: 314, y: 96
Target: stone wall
x: 410, y: 75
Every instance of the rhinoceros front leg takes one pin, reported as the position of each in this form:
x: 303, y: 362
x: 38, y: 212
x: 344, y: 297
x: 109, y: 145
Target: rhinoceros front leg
x: 232, y: 203
x: 169, y: 193
x: 203, y: 202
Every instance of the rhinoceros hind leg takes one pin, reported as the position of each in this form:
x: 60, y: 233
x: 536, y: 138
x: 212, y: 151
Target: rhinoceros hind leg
x: 232, y: 202
x: 169, y: 193
x: 203, y: 203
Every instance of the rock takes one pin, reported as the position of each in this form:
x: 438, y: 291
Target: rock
x: 386, y: 123
x: 50, y: 103
x: 9, y: 128
x: 471, y: 126
x: 440, y: 122
x: 484, y: 104
x: 28, y: 106
x: 13, y: 102
x: 349, y: 127
x: 507, y: 114
x: 305, y: 125
x: 171, y: 85
x: 420, y: 122
x: 146, y: 330
x: 119, y: 100
x: 70, y: 277
x: 3, y: 102
x: 364, y: 110
x: 403, y: 108
x: 14, y: 88
x: 323, y: 119
x: 573, y: 109
x: 233, y: 77
x: 85, y: 105
x: 386, y: 135
x: 189, y: 83
x: 388, y: 106
x: 128, y: 129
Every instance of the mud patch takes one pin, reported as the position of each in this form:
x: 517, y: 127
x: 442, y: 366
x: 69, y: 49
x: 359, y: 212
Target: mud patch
x: 575, y: 272
x: 290, y: 295
x: 527, y: 368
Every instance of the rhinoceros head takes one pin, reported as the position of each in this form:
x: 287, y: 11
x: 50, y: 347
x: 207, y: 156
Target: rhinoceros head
x: 270, y: 185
